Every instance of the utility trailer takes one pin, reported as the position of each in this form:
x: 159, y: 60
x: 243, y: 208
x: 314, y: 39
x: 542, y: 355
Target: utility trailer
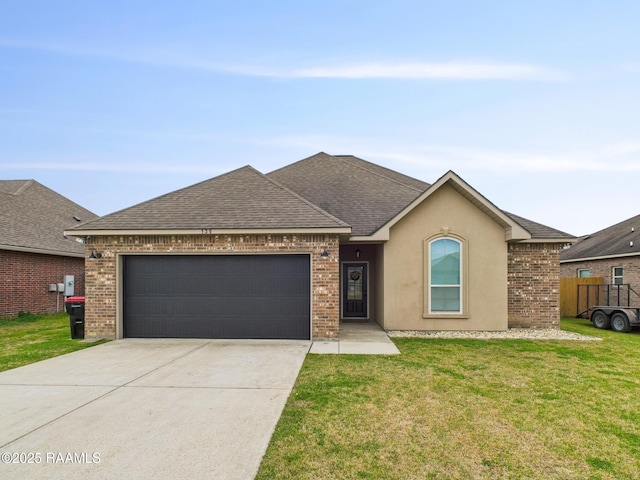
x: 618, y: 319
x: 609, y: 306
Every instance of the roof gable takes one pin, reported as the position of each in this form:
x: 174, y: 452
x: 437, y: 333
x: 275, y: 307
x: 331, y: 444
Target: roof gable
x: 513, y: 230
x: 342, y: 193
x: 362, y: 194
x: 372, y: 198
x: 621, y: 239
x: 33, y: 218
x: 243, y: 199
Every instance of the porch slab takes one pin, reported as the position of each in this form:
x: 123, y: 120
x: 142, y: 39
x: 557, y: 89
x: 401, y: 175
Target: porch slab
x: 357, y: 339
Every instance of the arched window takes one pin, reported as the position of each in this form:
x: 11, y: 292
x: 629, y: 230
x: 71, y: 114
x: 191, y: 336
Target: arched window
x: 445, y: 276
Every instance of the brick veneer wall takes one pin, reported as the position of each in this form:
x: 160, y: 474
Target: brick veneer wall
x: 534, y: 285
x: 604, y: 269
x: 101, y: 309
x: 25, y: 279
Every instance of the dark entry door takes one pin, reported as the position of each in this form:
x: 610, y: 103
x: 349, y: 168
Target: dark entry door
x: 354, y: 290
x: 217, y: 296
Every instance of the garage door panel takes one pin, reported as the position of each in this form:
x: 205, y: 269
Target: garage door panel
x: 217, y: 296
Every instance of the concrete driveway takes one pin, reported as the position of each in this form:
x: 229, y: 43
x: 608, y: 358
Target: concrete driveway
x: 147, y: 408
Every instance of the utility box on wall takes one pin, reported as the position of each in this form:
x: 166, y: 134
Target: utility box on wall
x: 69, y: 285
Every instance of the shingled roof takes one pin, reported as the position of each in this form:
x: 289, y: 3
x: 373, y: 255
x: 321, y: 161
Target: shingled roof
x: 363, y: 194
x: 538, y: 230
x: 319, y: 192
x: 621, y: 239
x: 366, y: 195
x: 243, y: 199
x: 34, y: 217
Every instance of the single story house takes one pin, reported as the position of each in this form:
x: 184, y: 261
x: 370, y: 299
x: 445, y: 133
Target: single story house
x: 330, y: 238
x: 612, y: 254
x: 35, y: 257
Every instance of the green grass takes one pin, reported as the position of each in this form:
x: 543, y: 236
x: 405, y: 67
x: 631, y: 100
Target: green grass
x: 31, y: 338
x: 466, y: 409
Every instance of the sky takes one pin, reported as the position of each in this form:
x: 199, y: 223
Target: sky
x: 535, y: 104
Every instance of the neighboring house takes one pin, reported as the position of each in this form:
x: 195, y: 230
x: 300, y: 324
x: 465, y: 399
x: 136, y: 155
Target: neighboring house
x: 612, y: 253
x: 293, y: 253
x: 34, y: 253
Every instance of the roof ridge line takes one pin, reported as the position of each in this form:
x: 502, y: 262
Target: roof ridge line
x: 26, y: 185
x: 291, y: 192
x: 343, y: 157
x: 22, y: 188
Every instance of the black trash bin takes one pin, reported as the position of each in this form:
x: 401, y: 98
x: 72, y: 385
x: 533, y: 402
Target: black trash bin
x: 75, y: 308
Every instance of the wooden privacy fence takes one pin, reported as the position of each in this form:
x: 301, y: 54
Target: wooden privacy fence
x: 569, y: 295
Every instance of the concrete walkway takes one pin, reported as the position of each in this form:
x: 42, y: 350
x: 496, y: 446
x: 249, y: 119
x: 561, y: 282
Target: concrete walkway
x: 147, y: 408
x: 358, y: 338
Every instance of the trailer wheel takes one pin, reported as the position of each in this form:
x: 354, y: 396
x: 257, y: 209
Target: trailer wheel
x: 601, y: 320
x: 620, y: 323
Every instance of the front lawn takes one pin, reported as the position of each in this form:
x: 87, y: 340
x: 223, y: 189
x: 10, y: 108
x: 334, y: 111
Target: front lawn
x: 466, y: 409
x: 31, y: 338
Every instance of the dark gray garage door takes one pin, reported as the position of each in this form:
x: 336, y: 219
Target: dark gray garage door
x: 217, y: 296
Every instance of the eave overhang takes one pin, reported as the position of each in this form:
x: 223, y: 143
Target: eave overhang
x: 206, y: 231
x: 601, y: 257
x: 42, y: 251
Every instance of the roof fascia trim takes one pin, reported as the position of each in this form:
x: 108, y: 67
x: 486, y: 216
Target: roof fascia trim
x: 206, y: 231
x: 601, y: 257
x: 549, y: 240
x: 41, y: 251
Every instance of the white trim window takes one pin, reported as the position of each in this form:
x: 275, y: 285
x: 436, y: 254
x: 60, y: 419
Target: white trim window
x: 584, y: 273
x: 445, y: 276
x: 617, y: 275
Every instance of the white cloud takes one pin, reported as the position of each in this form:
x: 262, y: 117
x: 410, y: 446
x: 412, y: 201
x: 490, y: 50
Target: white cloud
x: 608, y: 159
x: 147, y: 168
x: 509, y: 161
x: 623, y: 148
x: 170, y: 58
x: 435, y: 71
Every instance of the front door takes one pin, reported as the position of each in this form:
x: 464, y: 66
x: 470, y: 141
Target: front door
x: 354, y: 290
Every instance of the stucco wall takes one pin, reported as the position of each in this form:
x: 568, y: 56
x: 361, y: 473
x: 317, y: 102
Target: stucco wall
x: 103, y: 311
x: 446, y: 212
x: 25, y: 279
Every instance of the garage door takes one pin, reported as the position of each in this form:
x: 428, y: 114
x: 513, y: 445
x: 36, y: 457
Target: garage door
x: 217, y: 296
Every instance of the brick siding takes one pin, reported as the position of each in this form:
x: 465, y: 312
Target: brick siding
x: 25, y: 279
x: 101, y: 308
x: 534, y: 285
x: 604, y: 268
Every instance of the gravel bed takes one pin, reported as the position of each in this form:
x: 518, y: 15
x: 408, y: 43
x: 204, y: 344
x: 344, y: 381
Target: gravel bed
x: 512, y: 333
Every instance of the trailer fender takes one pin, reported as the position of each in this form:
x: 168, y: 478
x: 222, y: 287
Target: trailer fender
x: 631, y: 314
